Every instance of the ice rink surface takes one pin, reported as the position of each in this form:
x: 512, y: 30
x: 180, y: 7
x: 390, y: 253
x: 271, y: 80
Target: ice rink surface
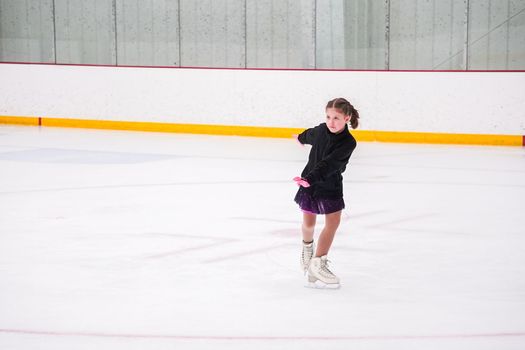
x: 126, y: 240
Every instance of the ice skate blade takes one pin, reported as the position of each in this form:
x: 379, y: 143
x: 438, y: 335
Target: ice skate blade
x: 321, y: 285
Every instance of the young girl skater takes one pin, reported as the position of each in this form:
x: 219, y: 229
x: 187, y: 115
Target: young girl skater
x: 321, y: 187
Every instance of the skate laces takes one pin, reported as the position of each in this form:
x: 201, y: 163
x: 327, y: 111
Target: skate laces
x: 324, y: 268
x: 308, y: 251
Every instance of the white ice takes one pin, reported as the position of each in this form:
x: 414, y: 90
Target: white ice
x: 126, y: 240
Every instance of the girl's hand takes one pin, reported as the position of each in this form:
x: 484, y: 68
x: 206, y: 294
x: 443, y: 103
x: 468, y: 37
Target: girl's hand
x: 296, y: 137
x: 301, y: 182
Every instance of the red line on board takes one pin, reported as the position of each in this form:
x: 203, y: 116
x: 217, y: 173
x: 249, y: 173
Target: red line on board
x: 263, y: 338
x: 267, y: 68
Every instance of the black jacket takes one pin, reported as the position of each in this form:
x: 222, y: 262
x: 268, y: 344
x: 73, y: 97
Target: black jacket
x: 327, y: 160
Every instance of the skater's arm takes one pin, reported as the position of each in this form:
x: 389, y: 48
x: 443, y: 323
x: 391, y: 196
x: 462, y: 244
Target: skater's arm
x: 307, y: 137
x: 335, y: 161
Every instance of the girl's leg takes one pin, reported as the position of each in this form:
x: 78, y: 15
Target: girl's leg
x: 308, y: 226
x: 327, y: 235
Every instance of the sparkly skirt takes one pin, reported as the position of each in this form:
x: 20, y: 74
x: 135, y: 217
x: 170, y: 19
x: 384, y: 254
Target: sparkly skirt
x: 312, y: 205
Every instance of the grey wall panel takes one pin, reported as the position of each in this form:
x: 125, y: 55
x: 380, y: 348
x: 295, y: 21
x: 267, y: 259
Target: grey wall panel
x: 350, y: 34
x: 212, y: 33
x: 496, y: 30
x: 364, y: 34
x: 85, y: 31
x: 448, y: 34
x: 147, y: 32
x: 483, y: 17
x: 280, y: 33
x: 426, y: 34
x: 516, y: 35
x: 330, y: 34
x: 26, y: 31
x: 403, y: 29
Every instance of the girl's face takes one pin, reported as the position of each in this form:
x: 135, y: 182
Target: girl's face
x: 336, y: 120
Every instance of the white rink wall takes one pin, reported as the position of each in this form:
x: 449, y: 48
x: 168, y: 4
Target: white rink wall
x: 443, y: 102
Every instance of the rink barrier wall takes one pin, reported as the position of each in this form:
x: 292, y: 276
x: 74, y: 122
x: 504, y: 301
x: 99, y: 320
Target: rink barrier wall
x: 263, y: 131
x: 448, y: 107
x: 448, y: 102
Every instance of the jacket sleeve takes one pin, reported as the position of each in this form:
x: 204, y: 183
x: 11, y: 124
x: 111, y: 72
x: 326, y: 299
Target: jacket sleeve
x: 332, y: 163
x: 307, y: 137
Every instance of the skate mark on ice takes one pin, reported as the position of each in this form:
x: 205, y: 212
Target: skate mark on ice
x: 261, y: 338
x: 401, y: 220
x: 295, y: 222
x: 145, y: 185
x: 261, y: 250
x: 215, y: 241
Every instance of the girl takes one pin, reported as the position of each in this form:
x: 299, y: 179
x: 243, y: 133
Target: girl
x: 321, y: 187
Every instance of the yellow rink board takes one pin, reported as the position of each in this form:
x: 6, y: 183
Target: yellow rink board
x: 263, y: 131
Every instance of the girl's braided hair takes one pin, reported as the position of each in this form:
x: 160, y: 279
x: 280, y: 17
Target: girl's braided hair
x: 346, y: 108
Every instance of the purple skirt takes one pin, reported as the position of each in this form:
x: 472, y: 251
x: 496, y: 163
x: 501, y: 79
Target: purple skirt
x: 312, y: 205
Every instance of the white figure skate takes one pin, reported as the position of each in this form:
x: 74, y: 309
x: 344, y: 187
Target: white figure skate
x: 319, y: 276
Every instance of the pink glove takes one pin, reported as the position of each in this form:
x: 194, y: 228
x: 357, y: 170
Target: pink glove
x: 296, y: 137
x: 301, y: 182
